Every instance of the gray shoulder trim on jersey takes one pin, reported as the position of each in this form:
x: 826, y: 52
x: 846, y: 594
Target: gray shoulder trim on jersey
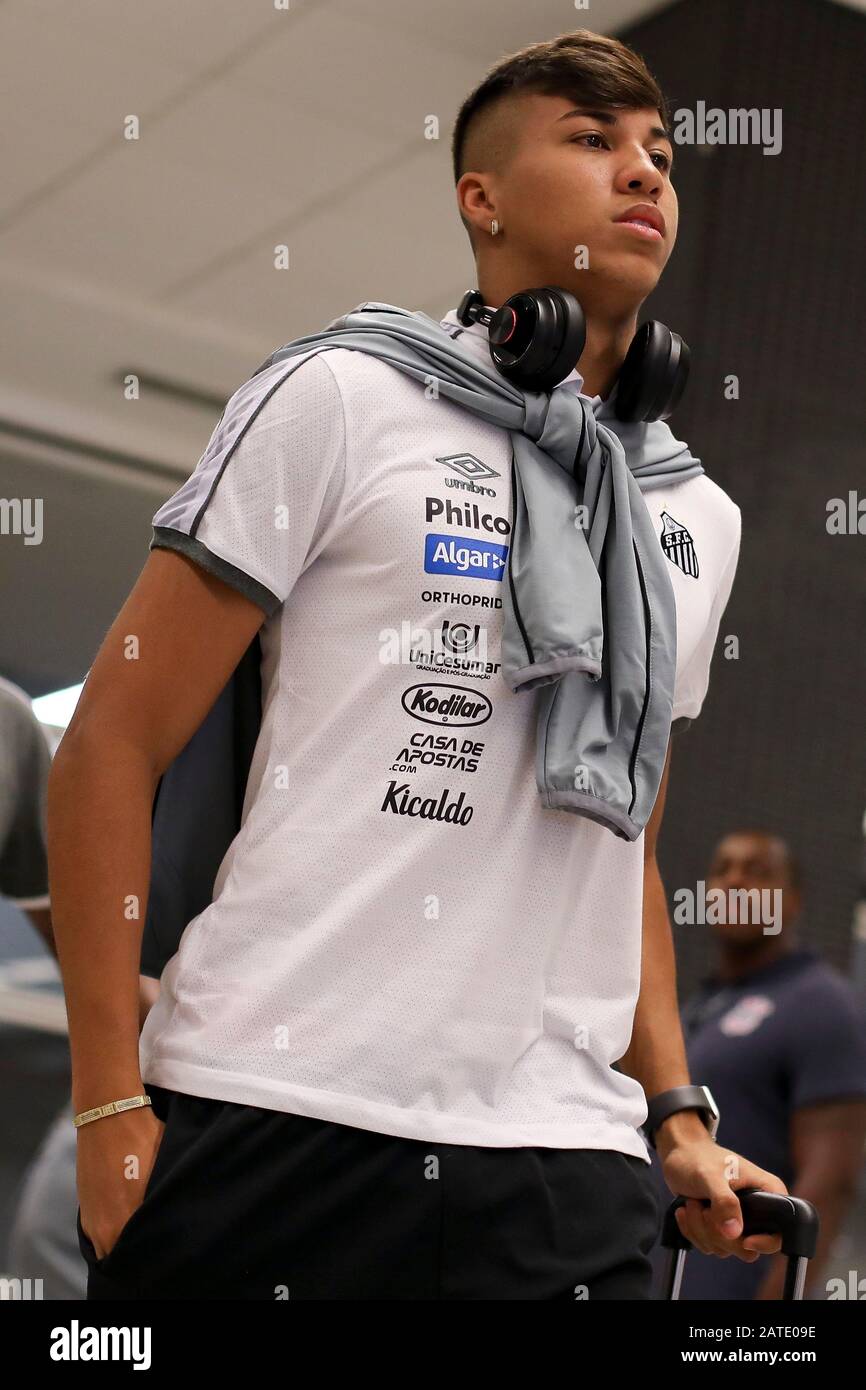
x: 185, y: 509
x: 253, y: 396
x: 169, y: 539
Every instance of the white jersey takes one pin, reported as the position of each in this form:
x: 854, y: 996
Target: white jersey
x: 401, y: 937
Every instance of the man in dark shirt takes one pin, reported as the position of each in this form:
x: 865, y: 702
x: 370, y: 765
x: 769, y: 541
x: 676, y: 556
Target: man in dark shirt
x: 779, y: 1037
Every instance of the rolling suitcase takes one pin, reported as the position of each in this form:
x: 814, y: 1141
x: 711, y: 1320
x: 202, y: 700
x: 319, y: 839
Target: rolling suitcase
x: 764, y: 1213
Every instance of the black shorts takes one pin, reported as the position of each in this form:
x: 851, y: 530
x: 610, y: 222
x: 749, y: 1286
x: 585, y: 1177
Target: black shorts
x: 246, y: 1203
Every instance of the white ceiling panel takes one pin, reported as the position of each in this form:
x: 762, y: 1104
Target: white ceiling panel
x: 340, y: 67
x: 398, y: 237
x: 63, y: 97
x: 484, y: 32
x: 184, y: 35
x: 140, y: 216
x: 72, y: 73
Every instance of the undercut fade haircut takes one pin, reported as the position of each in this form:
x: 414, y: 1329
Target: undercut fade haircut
x: 588, y: 69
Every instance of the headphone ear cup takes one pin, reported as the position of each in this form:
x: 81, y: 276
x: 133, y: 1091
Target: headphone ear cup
x: 681, y: 376
x: 571, y: 337
x: 546, y: 340
x: 654, y: 374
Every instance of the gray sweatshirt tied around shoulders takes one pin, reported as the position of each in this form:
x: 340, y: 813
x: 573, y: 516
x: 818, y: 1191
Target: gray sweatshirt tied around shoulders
x: 589, y: 620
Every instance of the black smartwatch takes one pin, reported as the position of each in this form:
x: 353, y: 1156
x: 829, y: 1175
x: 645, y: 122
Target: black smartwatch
x: 667, y: 1103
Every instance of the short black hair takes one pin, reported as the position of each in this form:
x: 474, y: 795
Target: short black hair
x: 587, y: 68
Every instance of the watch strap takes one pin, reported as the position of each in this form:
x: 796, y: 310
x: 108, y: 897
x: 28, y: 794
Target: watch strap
x: 668, y: 1103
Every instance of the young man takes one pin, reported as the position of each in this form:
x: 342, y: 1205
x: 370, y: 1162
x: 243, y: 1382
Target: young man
x: 386, y: 1052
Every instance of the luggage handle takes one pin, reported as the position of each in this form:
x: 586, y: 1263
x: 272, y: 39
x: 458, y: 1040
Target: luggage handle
x: 764, y: 1213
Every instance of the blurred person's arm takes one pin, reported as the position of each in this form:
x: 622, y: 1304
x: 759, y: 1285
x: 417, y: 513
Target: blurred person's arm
x: 25, y: 764
x: 40, y: 918
x: 133, y: 717
x: 23, y: 868
x: 827, y: 1147
x: 824, y: 1076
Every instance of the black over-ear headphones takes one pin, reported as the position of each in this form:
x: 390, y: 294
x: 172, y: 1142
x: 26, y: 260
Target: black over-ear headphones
x: 536, y: 337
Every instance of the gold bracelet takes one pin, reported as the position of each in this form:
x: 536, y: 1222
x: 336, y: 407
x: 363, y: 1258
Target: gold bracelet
x: 112, y: 1108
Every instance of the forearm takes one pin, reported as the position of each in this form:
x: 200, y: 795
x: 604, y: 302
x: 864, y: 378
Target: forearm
x: 100, y: 800
x: 656, y: 1055
x: 148, y: 989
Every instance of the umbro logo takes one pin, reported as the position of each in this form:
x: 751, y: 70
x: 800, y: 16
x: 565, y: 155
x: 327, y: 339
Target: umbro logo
x: 470, y: 470
x: 678, y: 545
x: 468, y: 466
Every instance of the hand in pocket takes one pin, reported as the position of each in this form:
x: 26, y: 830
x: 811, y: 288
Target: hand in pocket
x: 116, y: 1156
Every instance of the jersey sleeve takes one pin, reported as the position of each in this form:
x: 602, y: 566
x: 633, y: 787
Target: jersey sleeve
x: 827, y: 1060
x: 26, y: 760
x: 268, y: 487
x: 692, y: 683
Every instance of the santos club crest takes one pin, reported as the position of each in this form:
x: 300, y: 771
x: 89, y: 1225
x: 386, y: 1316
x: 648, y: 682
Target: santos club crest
x: 678, y: 545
